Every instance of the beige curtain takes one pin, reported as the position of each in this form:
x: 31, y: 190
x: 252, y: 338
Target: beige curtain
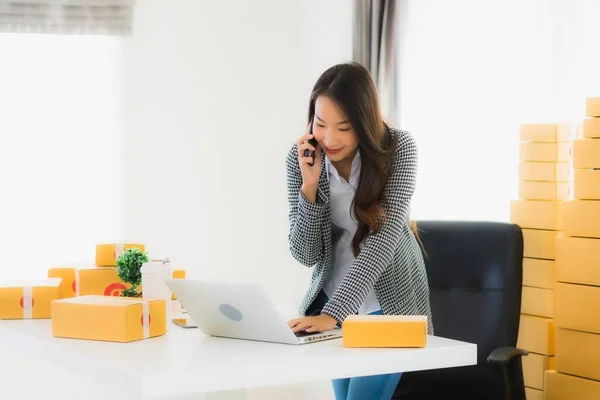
x: 85, y: 17
x: 374, y: 46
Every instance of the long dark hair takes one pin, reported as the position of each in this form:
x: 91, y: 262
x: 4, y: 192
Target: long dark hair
x: 351, y: 87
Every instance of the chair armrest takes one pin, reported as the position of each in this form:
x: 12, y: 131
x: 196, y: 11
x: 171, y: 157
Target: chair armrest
x: 502, y: 355
x: 509, y: 360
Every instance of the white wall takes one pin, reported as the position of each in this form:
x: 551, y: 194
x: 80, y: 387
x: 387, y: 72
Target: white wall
x: 214, y: 93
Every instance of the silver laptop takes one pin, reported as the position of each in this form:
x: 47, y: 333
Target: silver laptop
x: 239, y: 311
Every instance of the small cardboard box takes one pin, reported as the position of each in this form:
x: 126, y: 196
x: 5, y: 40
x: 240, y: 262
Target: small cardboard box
x: 578, y: 353
x: 544, y: 171
x: 539, y: 273
x: 578, y: 260
x: 586, y: 184
x: 537, y: 301
x: 545, y: 133
x: 537, y: 334
x: 534, y: 368
x: 539, y: 244
x: 592, y: 107
x: 534, y: 214
x: 567, y: 387
x: 533, y: 394
x: 385, y: 331
x: 576, y: 307
x: 177, y: 274
x: 586, y: 153
x: 530, y: 190
x: 581, y: 218
x: 591, y: 128
x: 28, y: 299
x: 545, y: 152
x: 112, y: 319
x: 81, y: 281
x: 108, y: 253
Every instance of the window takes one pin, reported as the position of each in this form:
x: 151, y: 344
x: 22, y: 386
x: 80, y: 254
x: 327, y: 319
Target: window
x: 470, y: 72
x: 60, y: 150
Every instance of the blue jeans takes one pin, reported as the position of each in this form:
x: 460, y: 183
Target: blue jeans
x: 376, y: 387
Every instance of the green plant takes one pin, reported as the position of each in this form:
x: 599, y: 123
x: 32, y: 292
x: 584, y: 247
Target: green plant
x: 129, y: 265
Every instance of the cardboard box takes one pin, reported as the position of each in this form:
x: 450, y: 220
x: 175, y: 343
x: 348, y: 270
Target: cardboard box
x: 88, y: 281
x: 586, y: 153
x: 592, y: 107
x: 539, y: 273
x: 539, y: 244
x: 548, y: 133
x: 28, y: 299
x: 385, y: 331
x: 578, y: 260
x: 545, y: 172
x: 534, y: 394
x: 113, y: 319
x: 591, y: 128
x: 586, y: 184
x: 536, y: 334
x: 534, y: 214
x: 537, y: 301
x: 567, y: 387
x: 533, y: 190
x: 534, y: 368
x: 578, y: 353
x: 108, y: 253
x: 177, y: 274
x: 581, y: 218
x: 545, y: 152
x: 576, y: 307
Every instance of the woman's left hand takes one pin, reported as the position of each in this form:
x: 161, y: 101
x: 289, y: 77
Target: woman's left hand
x: 313, y: 324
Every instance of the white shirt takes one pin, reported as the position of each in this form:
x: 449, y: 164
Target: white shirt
x: 343, y: 229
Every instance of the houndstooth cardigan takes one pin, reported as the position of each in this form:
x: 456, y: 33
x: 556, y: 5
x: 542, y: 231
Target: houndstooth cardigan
x: 391, y: 261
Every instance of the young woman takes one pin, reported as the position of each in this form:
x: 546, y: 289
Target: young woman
x: 349, y: 214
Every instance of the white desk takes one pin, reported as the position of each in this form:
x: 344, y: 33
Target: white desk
x: 185, y: 361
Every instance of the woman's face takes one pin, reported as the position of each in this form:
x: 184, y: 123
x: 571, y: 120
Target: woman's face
x: 333, y: 131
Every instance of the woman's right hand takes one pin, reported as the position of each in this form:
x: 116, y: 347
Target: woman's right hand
x: 310, y: 175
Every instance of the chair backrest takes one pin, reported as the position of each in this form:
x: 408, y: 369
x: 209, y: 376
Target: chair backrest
x: 475, y: 278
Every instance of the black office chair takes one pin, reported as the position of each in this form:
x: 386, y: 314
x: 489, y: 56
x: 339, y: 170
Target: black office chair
x: 475, y: 278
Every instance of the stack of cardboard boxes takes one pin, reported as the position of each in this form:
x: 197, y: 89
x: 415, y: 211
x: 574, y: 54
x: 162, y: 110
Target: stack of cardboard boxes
x: 544, y: 183
x: 80, y: 298
x: 577, y: 296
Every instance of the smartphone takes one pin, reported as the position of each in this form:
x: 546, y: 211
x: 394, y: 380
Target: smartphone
x: 184, y: 323
x: 313, y: 142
